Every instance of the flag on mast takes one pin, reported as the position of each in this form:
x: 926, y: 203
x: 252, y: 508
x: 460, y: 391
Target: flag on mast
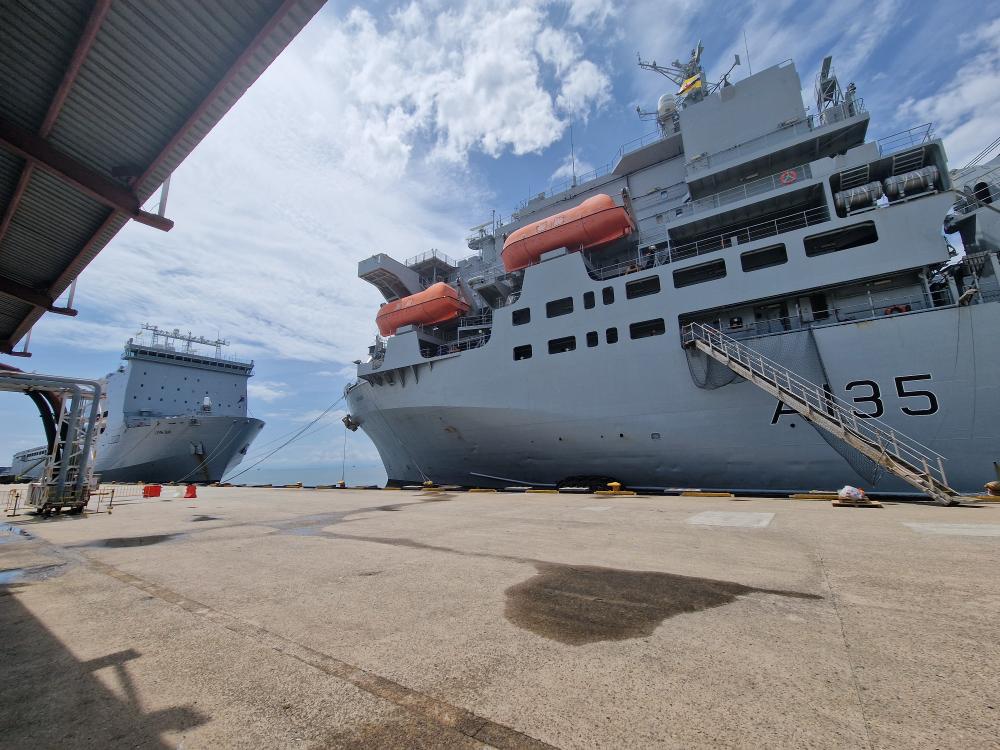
x: 690, y: 84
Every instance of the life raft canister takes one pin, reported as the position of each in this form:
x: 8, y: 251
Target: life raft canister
x: 596, y: 221
x: 435, y: 304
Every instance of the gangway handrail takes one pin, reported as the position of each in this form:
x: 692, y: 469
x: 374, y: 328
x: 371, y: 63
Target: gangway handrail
x: 915, y: 457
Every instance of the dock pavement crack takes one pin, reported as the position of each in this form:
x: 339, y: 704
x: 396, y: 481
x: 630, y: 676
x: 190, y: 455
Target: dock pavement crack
x: 438, y: 712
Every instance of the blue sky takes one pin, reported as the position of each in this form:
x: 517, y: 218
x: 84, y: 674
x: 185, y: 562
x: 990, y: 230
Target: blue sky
x: 395, y: 127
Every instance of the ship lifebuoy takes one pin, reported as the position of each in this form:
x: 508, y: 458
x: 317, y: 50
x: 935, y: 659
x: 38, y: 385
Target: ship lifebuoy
x: 894, y: 309
x: 788, y: 177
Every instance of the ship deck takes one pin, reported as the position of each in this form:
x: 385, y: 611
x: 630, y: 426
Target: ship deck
x: 369, y: 618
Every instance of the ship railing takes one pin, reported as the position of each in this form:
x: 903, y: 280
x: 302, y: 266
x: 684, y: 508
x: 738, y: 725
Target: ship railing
x: 572, y: 182
x: 819, y: 400
x: 422, y: 257
x: 975, y: 199
x: 784, y: 178
x: 477, y: 321
x: 802, y: 125
x: 915, y: 136
x: 636, y: 143
x: 820, y: 318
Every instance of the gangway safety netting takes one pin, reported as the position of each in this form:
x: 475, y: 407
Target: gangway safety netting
x: 797, y: 351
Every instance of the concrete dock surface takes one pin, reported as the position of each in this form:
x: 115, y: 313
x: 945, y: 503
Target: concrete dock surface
x: 297, y: 618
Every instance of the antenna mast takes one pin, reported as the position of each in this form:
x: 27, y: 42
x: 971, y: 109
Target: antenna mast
x: 693, y: 85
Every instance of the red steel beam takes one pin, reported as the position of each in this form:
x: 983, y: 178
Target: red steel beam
x: 39, y: 152
x: 83, y: 45
x: 32, y: 296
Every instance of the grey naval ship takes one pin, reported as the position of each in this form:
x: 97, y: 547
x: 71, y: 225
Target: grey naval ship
x: 752, y: 297
x: 173, y: 413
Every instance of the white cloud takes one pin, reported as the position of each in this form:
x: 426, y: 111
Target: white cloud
x: 585, y: 87
x: 966, y: 109
x: 591, y: 13
x: 568, y: 169
x: 354, y: 141
x: 266, y: 390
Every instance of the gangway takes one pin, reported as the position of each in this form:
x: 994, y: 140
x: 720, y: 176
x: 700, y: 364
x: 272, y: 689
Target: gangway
x: 904, y: 457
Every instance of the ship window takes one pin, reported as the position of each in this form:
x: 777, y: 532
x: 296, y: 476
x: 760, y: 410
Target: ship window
x: 700, y: 273
x: 642, y: 287
x: 558, y: 307
x: 520, y: 317
x: 841, y: 239
x: 565, y: 344
x: 608, y: 295
x: 588, y: 300
x: 522, y: 352
x: 766, y: 257
x: 611, y: 335
x: 647, y: 328
x: 592, y: 338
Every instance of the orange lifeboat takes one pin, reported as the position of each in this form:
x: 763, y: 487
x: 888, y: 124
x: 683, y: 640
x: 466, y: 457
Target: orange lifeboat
x: 595, y: 222
x: 436, y: 304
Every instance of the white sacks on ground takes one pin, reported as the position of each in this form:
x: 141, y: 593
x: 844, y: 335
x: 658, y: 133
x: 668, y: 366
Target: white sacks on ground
x: 850, y: 493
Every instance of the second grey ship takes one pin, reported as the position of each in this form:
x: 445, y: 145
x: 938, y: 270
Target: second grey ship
x: 654, y: 322
x: 173, y: 413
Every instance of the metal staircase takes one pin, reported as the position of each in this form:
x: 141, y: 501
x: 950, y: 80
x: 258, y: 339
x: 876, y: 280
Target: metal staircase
x: 904, y: 457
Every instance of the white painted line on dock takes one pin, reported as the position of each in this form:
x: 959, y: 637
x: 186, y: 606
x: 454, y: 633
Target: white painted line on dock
x: 597, y: 507
x: 956, y: 529
x: 739, y: 520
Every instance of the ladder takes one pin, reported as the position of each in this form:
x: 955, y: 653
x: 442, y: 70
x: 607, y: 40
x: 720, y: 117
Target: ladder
x: 854, y: 177
x: 903, y: 456
x: 907, y: 161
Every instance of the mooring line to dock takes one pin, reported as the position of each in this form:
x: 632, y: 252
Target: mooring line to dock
x: 438, y: 712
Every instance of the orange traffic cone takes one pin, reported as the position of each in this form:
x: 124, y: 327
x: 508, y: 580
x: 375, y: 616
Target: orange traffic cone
x: 190, y: 492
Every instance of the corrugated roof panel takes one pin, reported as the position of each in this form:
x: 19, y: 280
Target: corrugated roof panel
x: 10, y: 173
x: 13, y: 308
x: 37, y: 40
x: 53, y: 220
x: 157, y: 79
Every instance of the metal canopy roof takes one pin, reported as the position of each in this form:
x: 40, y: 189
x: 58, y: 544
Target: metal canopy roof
x: 100, y: 100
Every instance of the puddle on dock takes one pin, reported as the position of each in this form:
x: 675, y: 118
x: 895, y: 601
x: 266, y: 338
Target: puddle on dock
x: 132, y: 541
x: 11, y: 533
x: 28, y: 575
x: 582, y: 604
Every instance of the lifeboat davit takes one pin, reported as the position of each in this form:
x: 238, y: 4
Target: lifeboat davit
x: 436, y: 304
x: 595, y: 222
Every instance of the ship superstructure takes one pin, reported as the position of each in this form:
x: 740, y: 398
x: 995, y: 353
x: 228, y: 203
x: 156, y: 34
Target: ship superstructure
x: 173, y: 412
x: 787, y: 232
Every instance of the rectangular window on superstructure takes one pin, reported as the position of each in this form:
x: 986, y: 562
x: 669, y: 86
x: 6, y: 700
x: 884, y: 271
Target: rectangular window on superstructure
x: 522, y: 352
x: 565, y: 344
x: 588, y: 300
x: 700, y: 273
x: 841, y: 239
x: 647, y: 328
x: 608, y: 295
x: 765, y: 257
x: 611, y: 335
x: 520, y: 317
x: 558, y: 307
x: 591, y: 338
x: 642, y: 287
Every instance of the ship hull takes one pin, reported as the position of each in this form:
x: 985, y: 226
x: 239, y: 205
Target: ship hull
x: 180, y: 449
x: 641, y: 419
